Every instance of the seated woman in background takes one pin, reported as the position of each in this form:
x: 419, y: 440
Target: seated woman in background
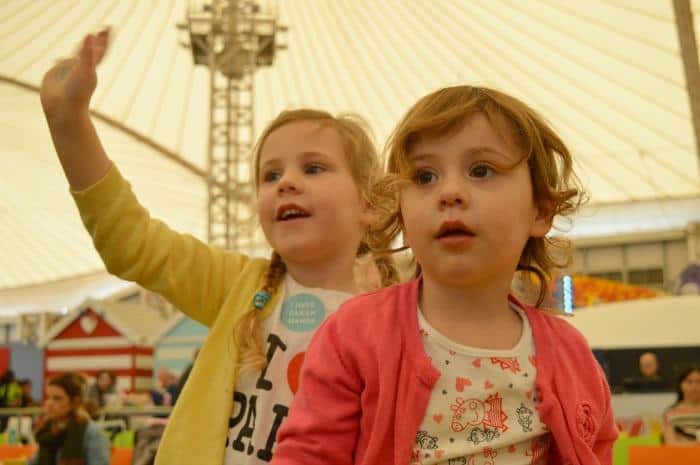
x: 66, y: 435
x: 682, y: 419
x: 100, y: 393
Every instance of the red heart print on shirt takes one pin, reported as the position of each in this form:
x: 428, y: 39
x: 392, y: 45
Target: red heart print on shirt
x: 437, y: 417
x: 293, y: 371
x: 488, y: 384
x: 476, y: 363
x: 461, y: 383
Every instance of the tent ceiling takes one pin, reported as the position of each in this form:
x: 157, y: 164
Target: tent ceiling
x: 40, y: 230
x: 606, y: 74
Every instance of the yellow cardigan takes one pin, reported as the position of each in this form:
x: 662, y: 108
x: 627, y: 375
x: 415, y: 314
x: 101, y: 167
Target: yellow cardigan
x: 209, y: 284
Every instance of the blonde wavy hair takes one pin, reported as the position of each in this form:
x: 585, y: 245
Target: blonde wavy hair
x: 556, y: 188
x: 365, y: 168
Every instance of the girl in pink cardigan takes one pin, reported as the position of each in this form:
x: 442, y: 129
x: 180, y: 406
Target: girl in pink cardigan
x: 450, y: 368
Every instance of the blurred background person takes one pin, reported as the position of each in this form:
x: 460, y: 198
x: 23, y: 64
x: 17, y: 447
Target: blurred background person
x: 682, y: 419
x: 166, y: 391
x: 649, y: 367
x: 100, y: 393
x: 649, y: 379
x: 10, y: 390
x: 10, y: 395
x: 27, y: 398
x: 66, y: 434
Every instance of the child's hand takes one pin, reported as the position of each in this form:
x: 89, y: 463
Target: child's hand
x: 68, y: 86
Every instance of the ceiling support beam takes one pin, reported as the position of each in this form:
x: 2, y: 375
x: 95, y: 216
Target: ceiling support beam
x: 689, y: 52
x: 108, y: 120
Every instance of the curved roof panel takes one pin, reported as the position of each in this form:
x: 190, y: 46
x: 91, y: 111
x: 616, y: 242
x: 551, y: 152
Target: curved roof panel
x: 607, y: 74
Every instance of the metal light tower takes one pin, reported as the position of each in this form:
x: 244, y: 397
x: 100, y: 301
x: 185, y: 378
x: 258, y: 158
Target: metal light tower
x: 232, y: 38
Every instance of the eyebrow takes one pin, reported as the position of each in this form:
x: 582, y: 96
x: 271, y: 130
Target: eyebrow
x: 304, y: 156
x: 313, y: 154
x: 474, y: 151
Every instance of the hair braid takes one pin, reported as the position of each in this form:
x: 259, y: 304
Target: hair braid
x: 248, y: 333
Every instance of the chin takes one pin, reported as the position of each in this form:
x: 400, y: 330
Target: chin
x: 455, y: 282
x: 456, y: 277
x: 456, y: 269
x: 298, y: 251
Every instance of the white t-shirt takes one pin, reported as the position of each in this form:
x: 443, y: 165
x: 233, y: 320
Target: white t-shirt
x: 261, y: 400
x: 483, y: 407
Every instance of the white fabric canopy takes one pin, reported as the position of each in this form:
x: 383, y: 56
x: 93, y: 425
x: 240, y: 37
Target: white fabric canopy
x: 607, y: 74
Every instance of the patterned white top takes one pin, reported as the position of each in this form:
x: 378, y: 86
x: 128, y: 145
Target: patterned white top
x: 483, y: 407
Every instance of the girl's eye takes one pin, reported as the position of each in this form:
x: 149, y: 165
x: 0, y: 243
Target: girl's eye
x: 424, y: 177
x: 314, y: 169
x: 481, y: 171
x: 271, y: 176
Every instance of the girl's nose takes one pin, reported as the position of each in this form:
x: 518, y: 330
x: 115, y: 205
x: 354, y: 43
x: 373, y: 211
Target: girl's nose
x: 289, y: 183
x: 453, y: 194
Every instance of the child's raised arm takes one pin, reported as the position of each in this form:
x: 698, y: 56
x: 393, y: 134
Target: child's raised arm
x: 65, y: 97
x: 194, y: 276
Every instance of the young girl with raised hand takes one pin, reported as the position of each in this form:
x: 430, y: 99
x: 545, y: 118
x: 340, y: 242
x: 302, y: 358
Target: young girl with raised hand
x: 451, y: 368
x: 313, y: 172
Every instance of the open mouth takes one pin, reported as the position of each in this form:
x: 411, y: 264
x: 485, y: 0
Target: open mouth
x: 454, y: 229
x: 291, y: 212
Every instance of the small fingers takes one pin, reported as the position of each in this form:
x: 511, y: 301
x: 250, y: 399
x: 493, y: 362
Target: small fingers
x: 86, y: 49
x: 101, y: 44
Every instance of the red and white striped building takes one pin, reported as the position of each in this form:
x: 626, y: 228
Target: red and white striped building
x: 112, y: 336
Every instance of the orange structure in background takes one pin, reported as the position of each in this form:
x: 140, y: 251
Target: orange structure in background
x: 590, y: 291
x: 119, y: 455
x: 664, y: 455
x: 16, y: 452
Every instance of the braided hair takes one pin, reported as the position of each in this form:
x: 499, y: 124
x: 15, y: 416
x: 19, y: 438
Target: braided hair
x: 365, y: 168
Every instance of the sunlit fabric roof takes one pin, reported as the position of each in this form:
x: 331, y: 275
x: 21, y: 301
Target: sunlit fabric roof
x: 608, y: 75
x: 41, y: 235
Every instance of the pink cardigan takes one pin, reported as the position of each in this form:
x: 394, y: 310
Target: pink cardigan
x: 366, y: 383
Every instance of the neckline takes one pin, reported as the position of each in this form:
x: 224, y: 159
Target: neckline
x: 449, y: 344
x: 292, y: 286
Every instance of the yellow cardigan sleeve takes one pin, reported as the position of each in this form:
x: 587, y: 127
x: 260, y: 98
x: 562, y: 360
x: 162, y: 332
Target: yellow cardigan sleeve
x: 192, y: 275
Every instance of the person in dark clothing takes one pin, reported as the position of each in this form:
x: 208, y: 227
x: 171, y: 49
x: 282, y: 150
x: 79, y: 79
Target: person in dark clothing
x: 66, y: 435
x: 166, y: 392
x: 649, y: 379
x: 27, y: 398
